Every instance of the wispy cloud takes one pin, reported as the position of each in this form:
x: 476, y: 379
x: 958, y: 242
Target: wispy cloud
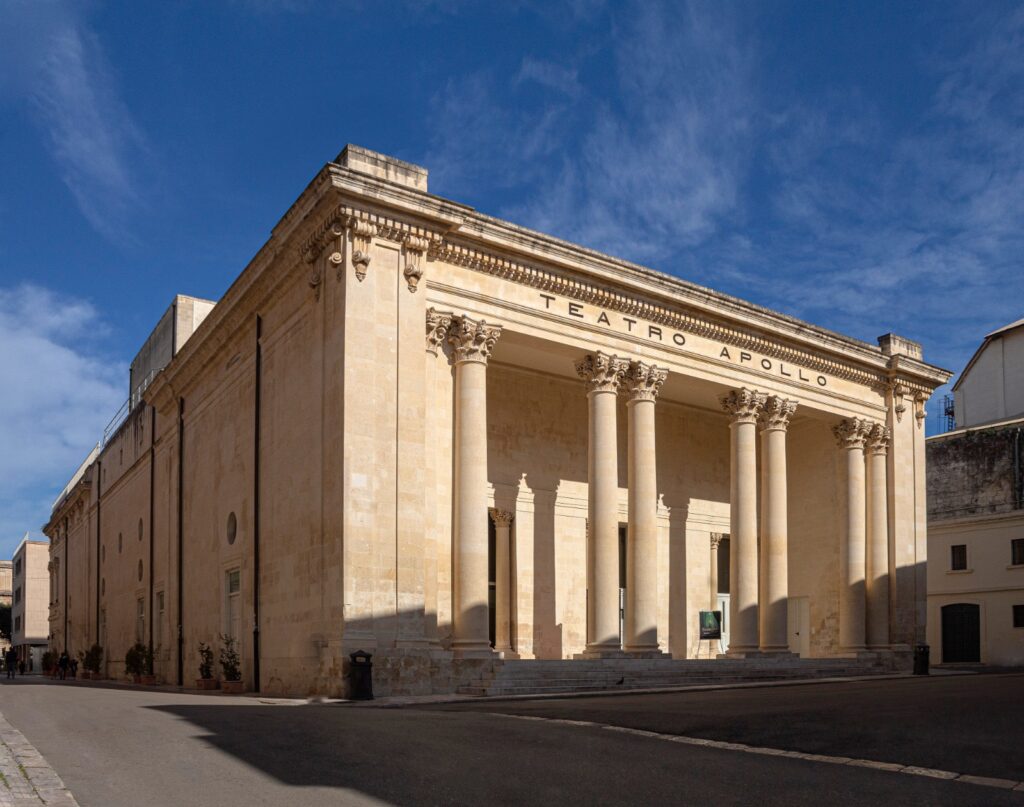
x: 58, y: 65
x: 59, y: 393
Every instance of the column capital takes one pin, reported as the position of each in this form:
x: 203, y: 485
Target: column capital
x: 717, y: 538
x: 852, y: 432
x: 744, y: 405
x: 438, y: 323
x: 603, y: 373
x: 472, y: 339
x: 878, y: 438
x: 776, y: 412
x: 643, y: 380
x: 502, y: 518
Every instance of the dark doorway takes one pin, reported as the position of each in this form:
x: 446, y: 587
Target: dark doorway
x: 623, y: 532
x: 961, y: 633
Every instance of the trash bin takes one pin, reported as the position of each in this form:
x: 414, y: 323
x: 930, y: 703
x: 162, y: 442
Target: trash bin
x: 921, y: 659
x: 360, y: 676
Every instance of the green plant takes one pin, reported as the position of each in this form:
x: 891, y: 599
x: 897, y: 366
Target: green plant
x: 49, y: 660
x: 147, y: 660
x: 229, y: 660
x: 205, y: 661
x: 92, y: 659
x: 135, y: 659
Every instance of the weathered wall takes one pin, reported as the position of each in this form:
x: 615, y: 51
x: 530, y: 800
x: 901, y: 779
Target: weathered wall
x: 975, y: 472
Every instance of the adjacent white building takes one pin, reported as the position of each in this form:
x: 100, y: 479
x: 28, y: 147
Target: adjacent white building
x: 30, y: 610
x: 991, y: 387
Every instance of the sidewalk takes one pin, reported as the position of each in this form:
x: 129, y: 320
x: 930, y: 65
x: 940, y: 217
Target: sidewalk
x: 26, y: 779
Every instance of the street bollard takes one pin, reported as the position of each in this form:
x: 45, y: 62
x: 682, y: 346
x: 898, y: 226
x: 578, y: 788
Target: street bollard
x: 921, y: 659
x: 360, y: 676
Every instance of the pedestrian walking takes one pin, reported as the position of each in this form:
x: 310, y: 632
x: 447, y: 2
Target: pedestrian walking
x: 11, y: 657
x: 62, y: 665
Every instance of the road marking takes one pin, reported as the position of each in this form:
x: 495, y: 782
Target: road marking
x: 893, y: 767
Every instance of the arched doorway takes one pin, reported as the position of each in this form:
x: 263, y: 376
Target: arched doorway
x: 961, y: 633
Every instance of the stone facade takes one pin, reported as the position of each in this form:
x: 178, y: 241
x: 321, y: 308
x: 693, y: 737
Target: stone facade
x: 976, y: 504
x: 414, y: 430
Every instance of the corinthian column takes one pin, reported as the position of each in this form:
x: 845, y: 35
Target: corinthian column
x: 774, y: 593
x: 878, y: 538
x: 502, y: 581
x: 602, y: 374
x: 643, y: 381
x: 851, y: 435
x: 472, y: 342
x: 744, y: 406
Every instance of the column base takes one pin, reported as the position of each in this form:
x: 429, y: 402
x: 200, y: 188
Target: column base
x: 644, y: 652
x: 471, y: 649
x: 742, y: 652
x: 602, y: 651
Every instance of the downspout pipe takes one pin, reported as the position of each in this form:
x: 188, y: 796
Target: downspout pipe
x: 99, y: 523
x: 65, y: 570
x: 256, y: 513
x: 1018, y: 488
x: 152, y: 490
x: 181, y: 540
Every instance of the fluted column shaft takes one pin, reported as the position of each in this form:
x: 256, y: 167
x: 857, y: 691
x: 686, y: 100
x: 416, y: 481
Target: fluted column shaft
x: 603, y: 374
x: 473, y: 342
x: 716, y: 541
x: 878, y: 538
x: 643, y: 382
x: 851, y: 436
x: 744, y: 406
x: 774, y: 579
x: 502, y: 581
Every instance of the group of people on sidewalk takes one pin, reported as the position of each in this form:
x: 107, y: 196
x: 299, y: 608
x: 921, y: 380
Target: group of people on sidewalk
x: 65, y: 664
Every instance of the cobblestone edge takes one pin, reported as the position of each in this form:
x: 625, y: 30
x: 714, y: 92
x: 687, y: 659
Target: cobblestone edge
x: 28, y: 778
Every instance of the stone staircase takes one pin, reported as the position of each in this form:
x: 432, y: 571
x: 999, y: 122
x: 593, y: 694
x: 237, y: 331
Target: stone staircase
x: 549, y: 677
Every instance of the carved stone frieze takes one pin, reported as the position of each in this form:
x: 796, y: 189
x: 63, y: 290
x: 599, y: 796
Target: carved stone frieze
x: 438, y: 323
x: 743, y: 405
x: 643, y: 381
x: 603, y: 373
x: 920, y: 398
x: 362, y: 235
x: 878, y: 438
x: 717, y: 538
x: 472, y: 340
x: 852, y: 432
x: 776, y: 412
x: 415, y: 246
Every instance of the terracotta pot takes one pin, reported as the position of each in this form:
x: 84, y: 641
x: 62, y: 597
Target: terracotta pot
x: 148, y: 680
x: 233, y: 687
x: 206, y: 683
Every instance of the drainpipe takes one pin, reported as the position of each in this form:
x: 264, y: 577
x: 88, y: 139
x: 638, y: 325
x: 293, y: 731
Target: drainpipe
x: 1018, y: 492
x: 256, y: 515
x: 65, y: 584
x: 152, y: 488
x: 181, y: 541
x: 99, y: 502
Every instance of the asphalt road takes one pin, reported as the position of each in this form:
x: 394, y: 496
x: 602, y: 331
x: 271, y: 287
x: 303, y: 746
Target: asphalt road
x: 965, y: 723
x: 117, y: 747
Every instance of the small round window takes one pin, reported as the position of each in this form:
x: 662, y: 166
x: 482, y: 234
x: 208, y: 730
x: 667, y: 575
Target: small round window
x: 120, y: 543
x: 140, y: 570
x: 232, y: 528
x: 140, y: 529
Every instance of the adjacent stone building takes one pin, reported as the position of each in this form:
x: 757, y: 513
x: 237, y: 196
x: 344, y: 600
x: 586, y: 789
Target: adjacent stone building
x: 413, y: 429
x: 29, y: 607
x: 976, y: 511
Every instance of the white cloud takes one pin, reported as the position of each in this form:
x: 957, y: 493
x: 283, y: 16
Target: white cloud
x: 59, y: 393
x: 53, y: 61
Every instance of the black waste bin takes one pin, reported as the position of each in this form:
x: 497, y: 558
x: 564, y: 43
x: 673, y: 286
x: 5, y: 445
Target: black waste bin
x: 921, y: 659
x: 360, y: 676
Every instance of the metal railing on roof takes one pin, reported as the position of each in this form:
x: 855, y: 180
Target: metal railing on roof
x: 126, y: 408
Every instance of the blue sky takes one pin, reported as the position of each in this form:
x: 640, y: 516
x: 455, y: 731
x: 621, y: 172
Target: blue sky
x: 859, y: 165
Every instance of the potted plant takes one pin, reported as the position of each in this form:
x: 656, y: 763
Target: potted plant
x: 231, y: 666
x: 92, y: 660
x: 147, y: 676
x: 205, y: 679
x: 134, y: 661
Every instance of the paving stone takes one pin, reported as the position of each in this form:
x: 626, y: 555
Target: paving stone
x: 1006, y: 784
x: 932, y: 772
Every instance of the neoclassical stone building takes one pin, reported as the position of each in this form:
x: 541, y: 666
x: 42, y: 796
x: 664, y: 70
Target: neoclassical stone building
x: 413, y: 429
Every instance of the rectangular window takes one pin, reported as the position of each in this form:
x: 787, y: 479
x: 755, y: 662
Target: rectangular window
x: 17, y: 595
x: 233, y: 603
x: 158, y: 640
x: 17, y: 566
x: 1017, y: 551
x: 17, y: 624
x: 140, y: 620
x: 958, y: 557
x: 1018, y: 616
